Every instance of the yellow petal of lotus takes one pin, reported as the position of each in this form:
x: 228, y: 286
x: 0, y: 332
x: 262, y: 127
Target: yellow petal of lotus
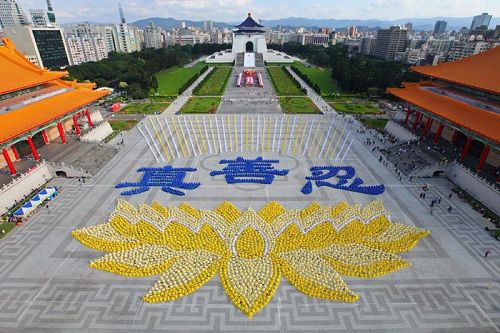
x: 250, y: 283
x: 309, y: 210
x: 227, y: 210
x: 396, y: 238
x: 238, y: 228
x: 190, y: 210
x: 189, y: 272
x: 143, y: 260
x: 103, y: 237
x: 271, y: 211
x: 250, y: 244
x: 360, y: 261
x: 165, y: 211
x: 314, y: 276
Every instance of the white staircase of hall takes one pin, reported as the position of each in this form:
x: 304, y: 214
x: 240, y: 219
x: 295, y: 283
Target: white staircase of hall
x: 249, y: 61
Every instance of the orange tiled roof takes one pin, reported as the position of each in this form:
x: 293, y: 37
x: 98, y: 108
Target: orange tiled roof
x: 481, y: 71
x: 17, y: 72
x: 484, y: 123
x: 15, y: 123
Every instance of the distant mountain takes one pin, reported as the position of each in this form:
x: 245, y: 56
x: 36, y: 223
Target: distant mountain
x: 169, y: 23
x: 454, y: 23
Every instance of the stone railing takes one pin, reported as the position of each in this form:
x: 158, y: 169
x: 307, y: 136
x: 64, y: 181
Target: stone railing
x: 482, y: 190
x: 24, y: 184
x: 98, y: 133
x: 399, y: 132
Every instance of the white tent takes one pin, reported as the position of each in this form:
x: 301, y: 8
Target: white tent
x: 36, y: 201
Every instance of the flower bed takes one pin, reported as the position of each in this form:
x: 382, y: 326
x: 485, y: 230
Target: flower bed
x: 251, y: 250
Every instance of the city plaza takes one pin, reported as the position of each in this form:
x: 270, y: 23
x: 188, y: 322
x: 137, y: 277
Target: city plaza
x: 261, y: 221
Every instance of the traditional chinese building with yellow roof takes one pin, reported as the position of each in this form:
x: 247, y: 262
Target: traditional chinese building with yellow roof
x: 37, y: 106
x: 459, y: 102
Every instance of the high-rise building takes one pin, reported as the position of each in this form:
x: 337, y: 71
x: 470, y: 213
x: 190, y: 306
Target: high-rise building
x: 352, y: 31
x: 85, y: 49
x: 153, y: 36
x: 50, y: 13
x: 182, y: 25
x: 43, y: 18
x: 409, y: 26
x: 390, y: 42
x: 126, y: 37
x: 45, y: 47
x: 40, y: 18
x: 208, y: 25
x: 106, y: 31
x: 85, y: 43
x: 479, y: 21
x: 367, y: 45
x: 12, y: 14
x: 440, y: 27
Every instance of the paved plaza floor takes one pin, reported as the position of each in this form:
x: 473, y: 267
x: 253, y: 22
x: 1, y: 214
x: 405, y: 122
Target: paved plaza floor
x: 47, y: 285
x: 251, y: 100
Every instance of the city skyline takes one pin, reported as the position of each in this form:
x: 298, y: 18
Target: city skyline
x: 231, y: 11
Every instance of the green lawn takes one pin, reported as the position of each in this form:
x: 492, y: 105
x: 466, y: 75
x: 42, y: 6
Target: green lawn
x: 356, y: 108
x: 203, y: 64
x: 172, y: 79
x: 341, y: 98
x: 145, y: 108
x: 298, y: 105
x: 322, y: 77
x: 375, y: 123
x: 201, y: 105
x: 5, y: 227
x: 118, y: 126
x: 215, y: 82
x: 283, y: 83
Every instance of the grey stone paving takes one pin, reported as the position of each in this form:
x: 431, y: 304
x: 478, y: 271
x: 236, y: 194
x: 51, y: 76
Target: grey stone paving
x: 46, y: 285
x: 251, y: 100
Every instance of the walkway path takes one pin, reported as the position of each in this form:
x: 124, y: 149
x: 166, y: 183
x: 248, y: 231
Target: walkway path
x: 250, y: 100
x: 315, y: 97
x: 185, y: 96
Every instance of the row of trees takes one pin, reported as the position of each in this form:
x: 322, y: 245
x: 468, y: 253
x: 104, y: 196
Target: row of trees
x: 356, y: 73
x: 134, y: 73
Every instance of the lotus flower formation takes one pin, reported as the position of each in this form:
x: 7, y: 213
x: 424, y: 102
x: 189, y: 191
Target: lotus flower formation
x: 312, y: 248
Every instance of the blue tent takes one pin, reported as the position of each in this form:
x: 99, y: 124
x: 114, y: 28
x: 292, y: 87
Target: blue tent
x: 37, y: 200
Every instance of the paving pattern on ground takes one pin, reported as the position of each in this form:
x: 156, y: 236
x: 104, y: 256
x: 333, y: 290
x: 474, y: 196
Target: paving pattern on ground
x: 46, y: 285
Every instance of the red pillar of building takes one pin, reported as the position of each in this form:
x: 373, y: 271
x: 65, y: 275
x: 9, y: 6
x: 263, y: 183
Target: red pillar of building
x: 407, y: 116
x: 9, y: 162
x: 466, y: 148
x: 91, y: 124
x: 77, y: 128
x: 14, y: 151
x: 482, y: 159
x: 417, y: 119
x: 45, y: 137
x: 427, y: 126
x: 61, y: 133
x: 33, y: 149
x: 438, y: 133
x: 454, y: 136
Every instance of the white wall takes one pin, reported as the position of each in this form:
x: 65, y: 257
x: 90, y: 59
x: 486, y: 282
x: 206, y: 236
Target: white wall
x: 399, y: 132
x: 475, y: 186
x: 24, y: 185
x: 98, y: 133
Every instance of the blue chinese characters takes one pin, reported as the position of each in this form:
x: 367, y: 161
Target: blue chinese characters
x: 168, y: 178
x: 258, y: 171
x: 319, y: 175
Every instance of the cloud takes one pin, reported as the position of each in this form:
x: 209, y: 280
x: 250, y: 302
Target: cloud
x: 235, y: 10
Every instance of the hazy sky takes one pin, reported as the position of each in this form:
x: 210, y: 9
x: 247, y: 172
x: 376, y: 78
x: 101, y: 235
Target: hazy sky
x: 235, y: 10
